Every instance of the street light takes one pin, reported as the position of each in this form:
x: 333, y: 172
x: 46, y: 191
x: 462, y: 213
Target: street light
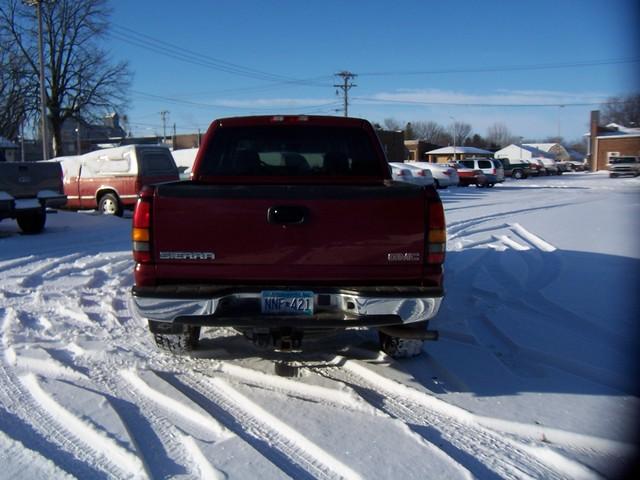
x: 454, y: 137
x: 43, y: 101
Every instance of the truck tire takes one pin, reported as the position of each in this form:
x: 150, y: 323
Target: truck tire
x: 176, y: 339
x: 109, y: 204
x: 32, y: 222
x: 518, y: 174
x: 397, y: 347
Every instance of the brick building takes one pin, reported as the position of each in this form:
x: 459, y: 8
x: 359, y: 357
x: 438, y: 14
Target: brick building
x: 416, y: 150
x: 610, y: 141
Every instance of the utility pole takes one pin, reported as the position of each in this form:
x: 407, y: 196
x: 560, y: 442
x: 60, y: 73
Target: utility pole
x: 345, y: 86
x: 43, y: 98
x: 163, y: 115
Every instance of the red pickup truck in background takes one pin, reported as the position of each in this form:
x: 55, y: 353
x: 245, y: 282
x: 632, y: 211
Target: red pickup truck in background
x: 110, y: 179
x: 289, y: 224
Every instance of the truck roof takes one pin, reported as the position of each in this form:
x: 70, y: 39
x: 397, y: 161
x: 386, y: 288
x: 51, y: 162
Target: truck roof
x: 323, y: 120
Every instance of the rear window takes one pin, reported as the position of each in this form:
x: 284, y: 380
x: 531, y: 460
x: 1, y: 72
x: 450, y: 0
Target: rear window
x: 485, y: 164
x: 298, y: 151
x: 156, y: 163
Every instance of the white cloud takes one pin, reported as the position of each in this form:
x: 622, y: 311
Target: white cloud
x: 498, y: 97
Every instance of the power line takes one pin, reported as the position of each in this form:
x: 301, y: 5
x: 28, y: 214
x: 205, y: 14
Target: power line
x: 506, y: 68
x: 225, y: 107
x: 189, y: 56
x: 471, y: 104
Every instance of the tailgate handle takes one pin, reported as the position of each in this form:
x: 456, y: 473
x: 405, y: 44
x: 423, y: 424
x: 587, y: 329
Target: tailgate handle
x: 287, y: 215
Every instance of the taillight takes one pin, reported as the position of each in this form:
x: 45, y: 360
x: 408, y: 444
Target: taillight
x: 141, y: 232
x: 420, y: 173
x: 436, y: 230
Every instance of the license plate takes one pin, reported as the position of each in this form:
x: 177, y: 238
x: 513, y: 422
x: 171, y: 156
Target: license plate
x: 287, y: 302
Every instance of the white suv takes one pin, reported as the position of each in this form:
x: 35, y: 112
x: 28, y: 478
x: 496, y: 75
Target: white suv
x: 489, y: 166
x: 624, y: 166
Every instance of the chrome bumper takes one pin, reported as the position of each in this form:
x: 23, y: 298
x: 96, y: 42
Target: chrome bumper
x: 337, y: 309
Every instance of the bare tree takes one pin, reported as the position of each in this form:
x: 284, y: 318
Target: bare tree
x: 623, y: 110
x: 81, y: 81
x: 431, y: 132
x: 499, y: 135
x: 392, y: 124
x: 16, y: 92
x: 459, y: 132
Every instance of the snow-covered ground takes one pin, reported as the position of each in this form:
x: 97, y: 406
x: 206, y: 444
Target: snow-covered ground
x: 535, y: 374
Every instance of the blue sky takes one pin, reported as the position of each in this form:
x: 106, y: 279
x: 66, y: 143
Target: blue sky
x: 415, y: 60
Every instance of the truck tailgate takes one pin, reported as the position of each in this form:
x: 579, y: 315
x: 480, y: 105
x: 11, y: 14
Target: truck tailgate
x: 303, y: 233
x: 27, y: 179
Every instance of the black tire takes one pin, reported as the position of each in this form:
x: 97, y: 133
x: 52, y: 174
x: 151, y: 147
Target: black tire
x: 32, y: 222
x: 612, y: 175
x: 109, y: 204
x: 518, y: 174
x: 176, y: 339
x: 397, y: 347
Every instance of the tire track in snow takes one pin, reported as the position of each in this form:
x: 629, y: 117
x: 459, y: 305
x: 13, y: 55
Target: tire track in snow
x: 543, y: 267
x: 18, y: 461
x: 155, y: 435
x: 119, y: 459
x: 202, y: 465
x: 40, y: 431
x: 346, y: 399
x: 35, y: 277
x: 533, y: 239
x: 454, y: 430
x: 285, y: 447
x: 176, y: 407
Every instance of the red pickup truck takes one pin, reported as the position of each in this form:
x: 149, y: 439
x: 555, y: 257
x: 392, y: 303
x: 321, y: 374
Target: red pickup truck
x: 289, y: 224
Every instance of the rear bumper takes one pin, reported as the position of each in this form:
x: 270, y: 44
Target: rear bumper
x: 239, y: 306
x: 11, y: 207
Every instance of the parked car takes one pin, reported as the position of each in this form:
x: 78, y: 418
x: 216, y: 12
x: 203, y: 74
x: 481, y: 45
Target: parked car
x: 516, y: 168
x: 401, y: 173
x: 421, y: 175
x: 289, y: 226
x: 545, y: 166
x: 550, y: 166
x: 619, y: 166
x: 110, y: 179
x: 489, y: 166
x: 576, y: 165
x: 469, y: 176
x: 535, y: 169
x: 443, y: 175
x: 27, y: 189
x: 563, y: 167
